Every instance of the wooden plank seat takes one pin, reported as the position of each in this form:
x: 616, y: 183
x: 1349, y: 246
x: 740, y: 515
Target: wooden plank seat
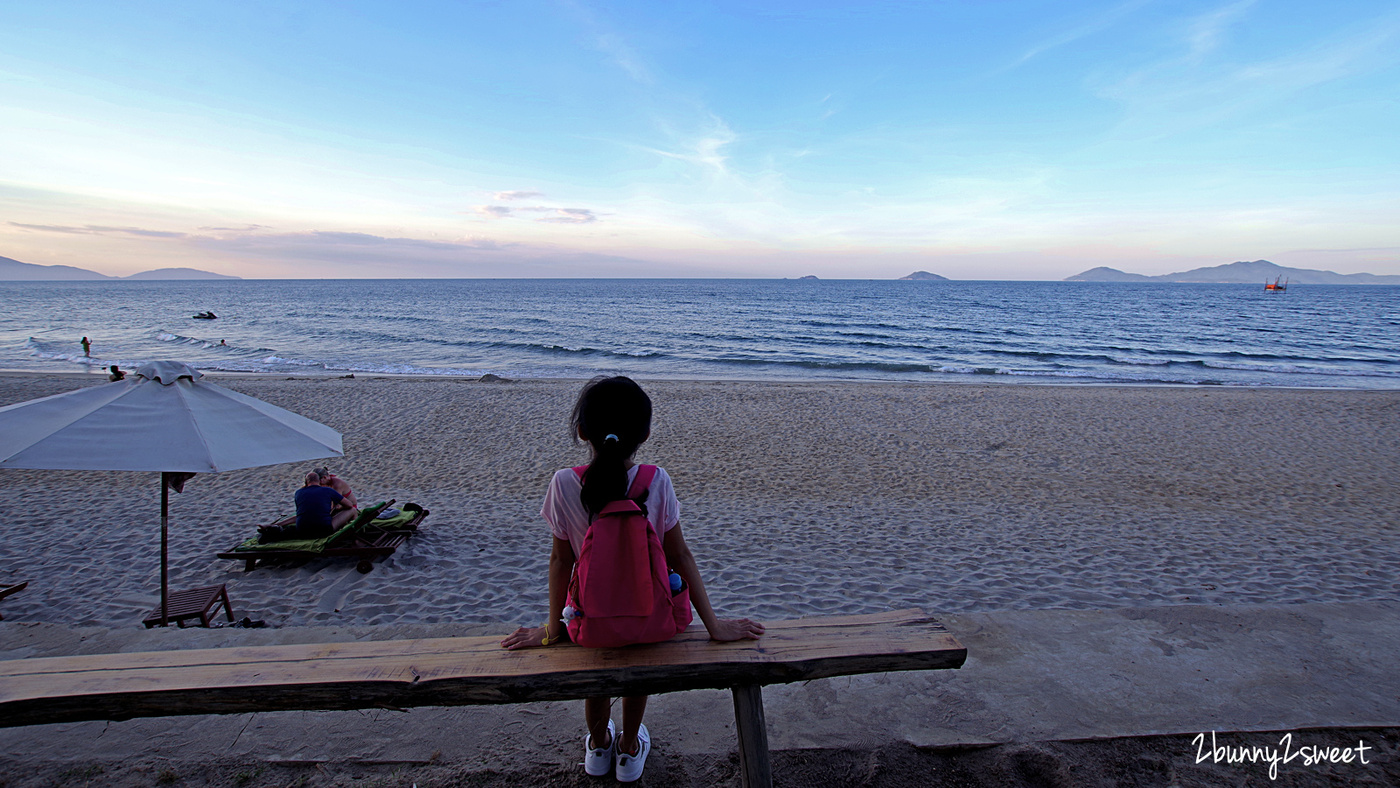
x: 366, y: 544
x: 469, y: 671
x: 6, y: 590
x: 195, y: 603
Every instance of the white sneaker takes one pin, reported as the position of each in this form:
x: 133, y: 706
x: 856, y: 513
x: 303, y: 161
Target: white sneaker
x: 598, y: 762
x: 629, y: 767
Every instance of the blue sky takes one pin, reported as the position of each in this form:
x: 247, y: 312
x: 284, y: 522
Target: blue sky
x: 1002, y: 139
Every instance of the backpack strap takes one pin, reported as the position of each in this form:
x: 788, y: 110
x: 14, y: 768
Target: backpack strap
x: 645, y: 473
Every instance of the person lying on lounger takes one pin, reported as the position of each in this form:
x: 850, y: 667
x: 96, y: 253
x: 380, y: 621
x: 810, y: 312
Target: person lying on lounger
x: 321, y: 511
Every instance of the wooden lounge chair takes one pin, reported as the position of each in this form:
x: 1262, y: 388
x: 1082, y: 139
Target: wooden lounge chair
x: 365, y: 539
x: 12, y: 589
x: 195, y: 604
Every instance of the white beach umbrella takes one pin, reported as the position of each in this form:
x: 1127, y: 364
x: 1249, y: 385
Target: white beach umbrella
x: 162, y: 418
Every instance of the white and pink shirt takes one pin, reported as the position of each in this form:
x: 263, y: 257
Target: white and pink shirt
x: 563, y: 505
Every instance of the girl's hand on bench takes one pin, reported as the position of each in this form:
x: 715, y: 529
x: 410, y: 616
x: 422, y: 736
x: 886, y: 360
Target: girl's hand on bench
x: 728, y: 629
x: 525, y: 637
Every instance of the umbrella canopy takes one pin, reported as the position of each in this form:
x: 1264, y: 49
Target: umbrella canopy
x: 162, y: 418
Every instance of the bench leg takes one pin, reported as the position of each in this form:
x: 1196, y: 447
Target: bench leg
x: 753, y: 737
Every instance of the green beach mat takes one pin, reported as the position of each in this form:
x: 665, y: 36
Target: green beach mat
x: 366, y: 518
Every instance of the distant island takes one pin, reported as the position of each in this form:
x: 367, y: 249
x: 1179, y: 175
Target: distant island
x: 923, y: 276
x: 1252, y: 272
x: 178, y: 273
x: 15, y: 271
x: 808, y: 276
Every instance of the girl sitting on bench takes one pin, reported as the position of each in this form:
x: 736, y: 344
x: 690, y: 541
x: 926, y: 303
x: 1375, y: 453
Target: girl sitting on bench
x: 613, y: 415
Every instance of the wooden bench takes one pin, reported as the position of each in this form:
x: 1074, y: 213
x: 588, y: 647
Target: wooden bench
x: 468, y: 671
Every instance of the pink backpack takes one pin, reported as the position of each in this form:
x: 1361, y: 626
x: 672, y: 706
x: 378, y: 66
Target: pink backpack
x: 620, y: 593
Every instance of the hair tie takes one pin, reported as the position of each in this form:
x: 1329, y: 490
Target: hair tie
x: 611, y: 437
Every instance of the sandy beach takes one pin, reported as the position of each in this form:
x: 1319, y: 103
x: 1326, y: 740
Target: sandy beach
x: 797, y: 499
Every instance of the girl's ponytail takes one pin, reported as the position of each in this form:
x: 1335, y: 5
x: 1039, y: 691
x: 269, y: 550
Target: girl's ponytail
x: 614, y: 416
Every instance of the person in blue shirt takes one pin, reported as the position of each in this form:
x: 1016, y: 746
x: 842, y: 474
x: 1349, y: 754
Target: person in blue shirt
x: 321, y: 511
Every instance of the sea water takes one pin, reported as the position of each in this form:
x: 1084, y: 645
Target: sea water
x: 1063, y: 332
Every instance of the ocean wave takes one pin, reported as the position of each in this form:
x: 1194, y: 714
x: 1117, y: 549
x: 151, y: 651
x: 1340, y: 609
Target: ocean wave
x: 822, y: 364
x: 276, y: 364
x: 526, y: 346
x: 863, y: 335
x: 584, y: 350
x: 49, y: 352
x: 59, y: 352
x: 279, y: 361
x: 203, y: 344
x: 1257, y: 356
x: 887, y: 344
x: 1294, y: 369
x: 1050, y: 356
x: 1140, y: 362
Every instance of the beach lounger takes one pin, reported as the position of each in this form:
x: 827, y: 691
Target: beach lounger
x: 365, y: 538
x: 12, y: 589
x: 196, y: 603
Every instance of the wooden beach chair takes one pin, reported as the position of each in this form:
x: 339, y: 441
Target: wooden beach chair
x: 195, y: 604
x: 366, y: 539
x: 12, y: 589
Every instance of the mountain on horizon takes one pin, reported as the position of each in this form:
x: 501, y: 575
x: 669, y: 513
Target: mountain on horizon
x: 1243, y: 272
x: 923, y: 276
x: 12, y: 270
x: 178, y: 273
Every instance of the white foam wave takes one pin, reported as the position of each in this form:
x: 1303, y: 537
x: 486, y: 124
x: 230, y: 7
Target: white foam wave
x: 1140, y: 362
x: 1296, y: 369
x: 273, y: 361
x: 183, y: 340
x: 35, y: 349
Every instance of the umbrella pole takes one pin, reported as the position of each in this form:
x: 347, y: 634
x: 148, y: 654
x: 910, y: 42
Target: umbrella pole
x: 164, y: 515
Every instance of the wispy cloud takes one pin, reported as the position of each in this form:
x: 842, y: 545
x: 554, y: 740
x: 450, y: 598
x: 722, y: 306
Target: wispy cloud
x: 348, y: 246
x: 1085, y: 29
x: 518, y: 195
x: 1194, y: 88
x: 320, y: 237
x: 557, y: 215
x: 1359, y: 250
x: 570, y: 216
x: 247, y: 228
x: 1206, y: 32
x: 94, y: 229
x: 624, y: 57
x: 610, y: 42
x: 706, y: 149
x: 350, y: 254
